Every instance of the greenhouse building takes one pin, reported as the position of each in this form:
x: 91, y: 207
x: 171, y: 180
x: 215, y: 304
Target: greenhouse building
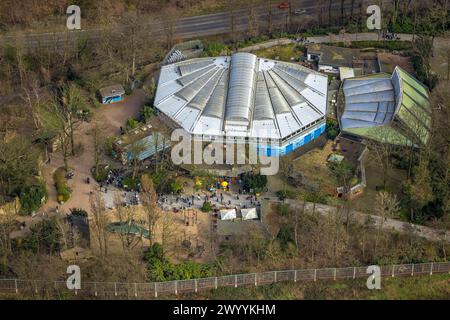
x: 387, y: 108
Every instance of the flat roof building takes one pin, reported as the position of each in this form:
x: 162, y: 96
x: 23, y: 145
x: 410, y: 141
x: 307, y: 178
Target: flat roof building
x: 245, y: 99
x: 111, y: 94
x: 330, y: 59
x: 141, y: 142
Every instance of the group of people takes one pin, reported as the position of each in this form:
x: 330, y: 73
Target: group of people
x: 390, y: 36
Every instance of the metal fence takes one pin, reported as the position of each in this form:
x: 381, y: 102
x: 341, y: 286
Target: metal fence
x: 117, y: 290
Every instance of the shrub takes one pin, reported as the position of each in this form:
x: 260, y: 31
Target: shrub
x: 206, y: 207
x: 285, y: 194
x: 102, y: 173
x: 147, y: 113
x: 84, y: 114
x: 284, y: 236
x: 130, y: 184
x: 44, y: 237
x: 332, y: 129
x: 160, y: 180
x: 314, y: 196
x: 62, y: 189
x: 31, y: 198
x: 215, y: 49
x: 132, y: 123
x: 161, y: 269
x: 175, y: 186
x: 257, y: 183
x: 388, y: 45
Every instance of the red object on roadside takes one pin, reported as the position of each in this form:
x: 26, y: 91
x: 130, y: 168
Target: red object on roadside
x: 283, y: 5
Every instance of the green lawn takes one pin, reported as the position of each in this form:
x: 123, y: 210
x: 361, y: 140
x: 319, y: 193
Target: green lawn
x: 284, y: 53
x: 415, y: 288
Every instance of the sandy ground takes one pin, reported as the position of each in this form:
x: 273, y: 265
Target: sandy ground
x: 112, y: 118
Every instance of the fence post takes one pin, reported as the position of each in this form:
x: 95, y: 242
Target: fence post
x: 295, y: 275
x: 275, y: 276
x: 334, y: 274
x: 95, y: 289
x: 315, y: 275
x: 235, y: 281
x: 176, y: 287
x: 215, y: 282
x: 354, y: 272
x: 156, y: 290
x: 15, y: 285
x: 135, y: 290
x: 256, y: 279
x: 115, y: 289
x: 35, y: 287
x: 431, y: 269
x: 412, y: 270
x: 195, y: 282
x: 393, y: 270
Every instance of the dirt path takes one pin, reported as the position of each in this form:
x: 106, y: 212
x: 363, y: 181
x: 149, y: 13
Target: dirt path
x: 112, y: 118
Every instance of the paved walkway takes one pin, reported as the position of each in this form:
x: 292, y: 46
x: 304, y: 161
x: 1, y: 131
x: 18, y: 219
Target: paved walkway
x: 195, y: 201
x: 389, y: 224
x: 364, y: 36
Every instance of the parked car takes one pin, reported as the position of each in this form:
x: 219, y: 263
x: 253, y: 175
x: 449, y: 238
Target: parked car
x: 299, y: 11
x: 283, y: 5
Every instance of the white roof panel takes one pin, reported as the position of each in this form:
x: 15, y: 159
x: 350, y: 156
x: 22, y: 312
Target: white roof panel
x: 208, y: 125
x: 187, y: 118
x: 241, y: 95
x: 287, y: 124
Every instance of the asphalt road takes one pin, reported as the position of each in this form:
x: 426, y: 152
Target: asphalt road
x: 188, y: 27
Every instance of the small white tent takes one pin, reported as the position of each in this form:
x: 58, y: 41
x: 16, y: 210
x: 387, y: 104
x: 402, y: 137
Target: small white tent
x: 228, y: 214
x: 249, y: 214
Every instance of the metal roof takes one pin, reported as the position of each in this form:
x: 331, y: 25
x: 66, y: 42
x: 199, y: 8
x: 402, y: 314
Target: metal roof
x: 112, y: 91
x: 241, y: 94
x: 241, y: 87
x: 372, y: 104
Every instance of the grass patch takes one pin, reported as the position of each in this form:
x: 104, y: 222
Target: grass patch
x: 388, y: 45
x: 421, y: 287
x: 284, y: 53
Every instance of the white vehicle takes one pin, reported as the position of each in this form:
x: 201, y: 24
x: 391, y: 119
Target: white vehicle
x: 299, y: 11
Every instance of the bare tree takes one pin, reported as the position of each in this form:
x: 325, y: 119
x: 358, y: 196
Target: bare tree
x: 286, y: 170
x: 270, y: 16
x: 72, y: 102
x: 382, y: 148
x: 135, y: 151
x: 170, y: 16
x: 99, y: 140
x: 32, y: 98
x: 127, y: 217
x: 232, y: 14
x: 149, y: 201
x: 8, y: 215
x: 100, y: 221
x: 387, y: 206
x: 253, y: 28
x: 168, y: 229
x: 64, y: 230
